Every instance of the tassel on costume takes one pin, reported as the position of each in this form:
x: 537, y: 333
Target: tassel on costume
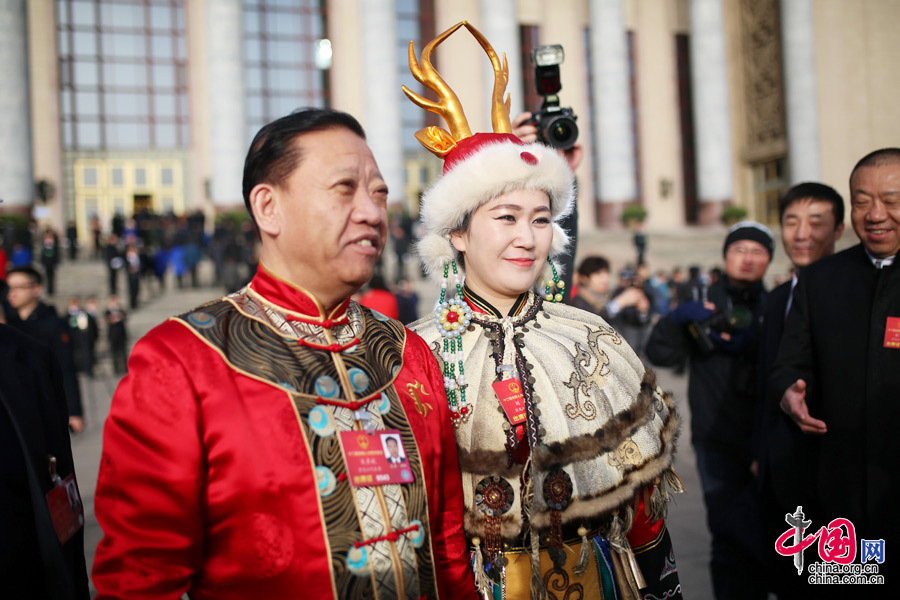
x: 663, y: 489
x: 624, y: 574
x: 482, y: 582
x: 538, y: 590
x: 582, y: 562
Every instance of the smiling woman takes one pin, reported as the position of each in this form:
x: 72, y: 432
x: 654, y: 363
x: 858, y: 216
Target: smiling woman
x: 565, y: 441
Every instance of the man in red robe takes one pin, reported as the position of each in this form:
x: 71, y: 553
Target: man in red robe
x: 224, y: 470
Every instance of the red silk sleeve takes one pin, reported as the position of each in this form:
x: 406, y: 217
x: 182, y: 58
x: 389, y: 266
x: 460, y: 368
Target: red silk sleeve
x: 455, y: 579
x: 149, y: 486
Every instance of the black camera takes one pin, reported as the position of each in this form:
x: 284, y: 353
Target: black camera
x: 734, y: 320
x: 555, y: 125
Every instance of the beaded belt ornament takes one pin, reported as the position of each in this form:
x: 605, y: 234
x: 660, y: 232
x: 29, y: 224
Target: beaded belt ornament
x: 557, y: 496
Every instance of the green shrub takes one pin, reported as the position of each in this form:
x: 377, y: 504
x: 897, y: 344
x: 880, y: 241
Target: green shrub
x: 633, y: 212
x: 733, y: 214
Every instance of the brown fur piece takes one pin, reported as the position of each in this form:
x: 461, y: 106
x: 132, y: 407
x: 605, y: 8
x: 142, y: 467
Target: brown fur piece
x: 606, y: 438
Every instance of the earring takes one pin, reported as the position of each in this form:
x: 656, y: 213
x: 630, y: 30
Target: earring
x: 553, y: 289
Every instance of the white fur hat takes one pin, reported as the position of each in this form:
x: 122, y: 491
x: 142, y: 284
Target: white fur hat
x: 480, y: 168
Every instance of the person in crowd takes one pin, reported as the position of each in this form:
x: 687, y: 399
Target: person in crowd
x: 563, y: 436
x: 97, y: 236
x: 379, y: 298
x: 72, y: 239
x: 632, y: 321
x: 718, y: 337
x: 21, y: 256
x: 401, y: 225
x: 594, y: 293
x: 117, y: 334
x: 50, y: 257
x: 84, y: 330
x: 35, y: 318
x: 114, y: 255
x: 837, y: 373
x: 407, y: 302
x: 222, y: 473
x: 661, y: 293
x: 133, y: 274
x: 694, y: 289
x: 41, y: 548
x: 92, y: 308
x: 812, y: 220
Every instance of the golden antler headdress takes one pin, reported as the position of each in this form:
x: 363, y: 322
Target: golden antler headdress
x: 480, y: 166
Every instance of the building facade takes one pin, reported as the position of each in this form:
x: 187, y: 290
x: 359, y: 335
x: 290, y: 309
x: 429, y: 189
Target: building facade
x: 683, y: 106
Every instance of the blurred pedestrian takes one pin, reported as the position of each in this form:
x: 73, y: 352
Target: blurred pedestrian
x: 33, y: 317
x: 50, y: 252
x: 115, y: 261
x: 21, y: 256
x: 84, y: 330
x: 92, y: 308
x: 117, y: 334
x: 594, y: 294
x: 133, y: 274
x: 97, y: 236
x: 72, y: 239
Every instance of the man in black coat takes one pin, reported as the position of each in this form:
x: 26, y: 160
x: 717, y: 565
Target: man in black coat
x: 32, y: 317
x: 812, y: 220
x: 33, y: 564
x: 838, y: 369
x: 718, y: 337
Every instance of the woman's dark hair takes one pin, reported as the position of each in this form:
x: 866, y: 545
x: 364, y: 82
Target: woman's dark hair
x: 273, y: 156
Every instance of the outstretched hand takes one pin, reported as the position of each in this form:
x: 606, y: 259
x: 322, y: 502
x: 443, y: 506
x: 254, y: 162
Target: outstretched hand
x: 793, y: 402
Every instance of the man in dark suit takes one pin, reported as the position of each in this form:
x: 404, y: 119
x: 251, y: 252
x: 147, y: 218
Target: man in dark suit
x: 33, y: 427
x: 33, y: 317
x: 812, y: 220
x: 838, y: 369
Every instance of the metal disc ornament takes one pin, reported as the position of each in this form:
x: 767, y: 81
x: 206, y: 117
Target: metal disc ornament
x: 558, y: 490
x: 494, y: 496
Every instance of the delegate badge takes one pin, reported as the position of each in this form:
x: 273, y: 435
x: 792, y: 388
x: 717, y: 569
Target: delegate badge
x: 375, y: 458
x: 66, y: 509
x: 509, y: 392
x: 892, y: 333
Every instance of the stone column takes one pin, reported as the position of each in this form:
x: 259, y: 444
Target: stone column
x: 381, y: 89
x: 500, y: 25
x: 16, y: 169
x: 800, y: 90
x: 225, y: 84
x: 712, y: 124
x: 613, y: 129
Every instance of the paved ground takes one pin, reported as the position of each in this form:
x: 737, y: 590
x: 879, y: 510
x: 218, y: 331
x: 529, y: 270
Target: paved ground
x: 686, y: 517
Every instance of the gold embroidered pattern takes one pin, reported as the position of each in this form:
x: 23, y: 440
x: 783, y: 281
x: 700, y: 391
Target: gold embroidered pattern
x: 414, y: 389
x: 627, y: 453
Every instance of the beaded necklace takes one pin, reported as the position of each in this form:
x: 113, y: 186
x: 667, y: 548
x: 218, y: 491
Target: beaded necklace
x: 451, y: 318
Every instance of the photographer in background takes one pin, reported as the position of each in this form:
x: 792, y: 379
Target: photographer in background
x: 554, y: 126
x: 719, y: 338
